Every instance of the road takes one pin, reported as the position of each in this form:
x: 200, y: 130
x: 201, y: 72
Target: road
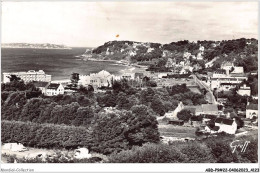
x: 210, y: 93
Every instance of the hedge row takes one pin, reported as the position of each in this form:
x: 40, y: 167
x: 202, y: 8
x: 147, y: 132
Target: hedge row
x: 44, y: 135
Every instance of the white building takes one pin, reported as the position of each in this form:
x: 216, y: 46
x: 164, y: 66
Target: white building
x: 244, y: 90
x: 223, y: 125
x: 29, y: 76
x: 54, y: 89
x: 102, y: 78
x: 199, y: 56
x: 238, y: 70
x: 251, y: 111
x: 223, y: 81
x: 226, y: 125
x: 150, y: 50
x: 201, y: 49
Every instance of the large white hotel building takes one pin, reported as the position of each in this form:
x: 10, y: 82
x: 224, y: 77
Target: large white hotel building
x: 29, y: 76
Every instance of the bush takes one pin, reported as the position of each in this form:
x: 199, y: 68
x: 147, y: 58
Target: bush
x: 197, y: 153
x: 149, y: 153
x: 57, y: 157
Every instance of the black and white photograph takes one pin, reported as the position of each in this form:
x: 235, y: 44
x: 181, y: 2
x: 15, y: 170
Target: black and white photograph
x: 100, y: 83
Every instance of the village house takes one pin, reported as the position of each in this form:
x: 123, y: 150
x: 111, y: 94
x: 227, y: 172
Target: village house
x: 223, y: 125
x: 29, y: 76
x: 237, y: 70
x: 127, y: 76
x: 54, y: 89
x: 42, y: 86
x: 221, y: 101
x: 244, y: 90
x: 210, y: 109
x: 251, y: 111
x: 227, y: 66
x: 199, y: 56
x: 150, y: 50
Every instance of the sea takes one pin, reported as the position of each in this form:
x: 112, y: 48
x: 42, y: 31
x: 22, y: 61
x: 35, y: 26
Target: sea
x: 60, y: 63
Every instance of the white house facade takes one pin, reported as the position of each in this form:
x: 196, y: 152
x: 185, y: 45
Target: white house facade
x: 54, y: 89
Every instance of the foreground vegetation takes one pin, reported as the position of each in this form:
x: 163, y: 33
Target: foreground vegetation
x: 210, y: 150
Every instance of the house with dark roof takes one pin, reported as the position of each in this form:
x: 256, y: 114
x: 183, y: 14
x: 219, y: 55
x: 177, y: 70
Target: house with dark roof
x: 251, y: 111
x: 226, y: 125
x: 41, y: 85
x: 210, y: 129
x: 223, y: 125
x: 54, y: 89
x: 211, y: 109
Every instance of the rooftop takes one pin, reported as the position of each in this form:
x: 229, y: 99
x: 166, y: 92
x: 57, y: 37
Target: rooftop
x: 220, y: 71
x: 252, y: 106
x: 53, y: 86
x: 224, y: 121
x: 215, y: 128
x: 40, y: 84
x: 209, y: 107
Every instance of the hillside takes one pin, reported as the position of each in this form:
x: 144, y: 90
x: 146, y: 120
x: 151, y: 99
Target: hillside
x: 242, y: 52
x: 34, y: 46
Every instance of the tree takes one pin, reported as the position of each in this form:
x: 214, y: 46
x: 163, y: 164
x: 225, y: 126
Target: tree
x: 146, y: 96
x: 149, y: 153
x: 13, y: 105
x: 122, y: 101
x: 151, y: 84
x: 14, y: 78
x: 143, y: 127
x: 120, y: 130
x: 90, y: 89
x: 157, y: 105
x: 184, y: 115
x: 33, y: 109
x: 83, y: 117
x: 240, y: 122
x: 74, y: 78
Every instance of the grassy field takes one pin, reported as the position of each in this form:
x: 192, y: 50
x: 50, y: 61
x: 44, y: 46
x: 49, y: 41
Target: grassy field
x: 176, y: 131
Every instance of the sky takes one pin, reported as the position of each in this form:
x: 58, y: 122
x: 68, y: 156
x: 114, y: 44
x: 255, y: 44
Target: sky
x: 90, y: 24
